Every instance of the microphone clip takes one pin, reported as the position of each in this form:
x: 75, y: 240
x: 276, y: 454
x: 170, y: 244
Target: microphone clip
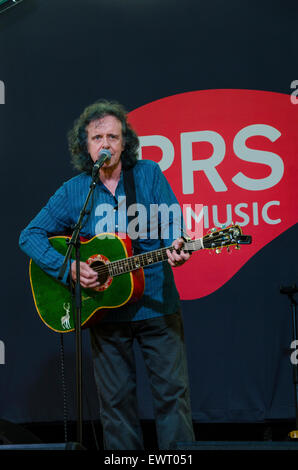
x: 103, y: 156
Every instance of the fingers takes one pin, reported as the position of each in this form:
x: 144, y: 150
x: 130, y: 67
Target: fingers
x: 88, y: 277
x: 176, y: 257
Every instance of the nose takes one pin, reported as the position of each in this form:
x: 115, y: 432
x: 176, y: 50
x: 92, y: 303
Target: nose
x: 105, y: 142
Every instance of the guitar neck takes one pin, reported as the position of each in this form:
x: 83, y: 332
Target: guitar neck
x: 216, y: 239
x: 135, y: 262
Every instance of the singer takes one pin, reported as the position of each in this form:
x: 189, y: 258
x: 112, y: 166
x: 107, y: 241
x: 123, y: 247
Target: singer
x: 102, y: 138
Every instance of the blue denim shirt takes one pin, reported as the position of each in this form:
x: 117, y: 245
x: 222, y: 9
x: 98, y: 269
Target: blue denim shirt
x: 108, y: 214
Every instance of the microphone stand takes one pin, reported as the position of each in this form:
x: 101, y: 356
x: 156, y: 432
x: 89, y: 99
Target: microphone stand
x: 290, y: 291
x: 74, y: 243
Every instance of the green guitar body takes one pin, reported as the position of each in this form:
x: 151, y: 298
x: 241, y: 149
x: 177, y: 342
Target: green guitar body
x: 54, y: 301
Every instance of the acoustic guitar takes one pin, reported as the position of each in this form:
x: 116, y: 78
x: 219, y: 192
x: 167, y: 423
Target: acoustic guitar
x: 120, y: 274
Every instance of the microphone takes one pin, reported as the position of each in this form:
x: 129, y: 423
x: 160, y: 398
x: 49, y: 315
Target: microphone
x: 289, y: 290
x: 104, y: 155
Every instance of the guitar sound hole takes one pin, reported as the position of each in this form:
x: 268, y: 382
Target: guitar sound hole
x: 102, y: 270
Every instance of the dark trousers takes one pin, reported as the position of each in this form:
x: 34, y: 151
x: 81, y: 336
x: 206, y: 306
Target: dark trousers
x: 162, y: 344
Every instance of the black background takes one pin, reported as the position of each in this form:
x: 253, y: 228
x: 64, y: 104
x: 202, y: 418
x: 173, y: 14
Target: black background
x: 55, y: 58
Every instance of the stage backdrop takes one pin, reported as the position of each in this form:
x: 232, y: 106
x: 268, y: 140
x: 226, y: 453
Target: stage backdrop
x: 211, y: 90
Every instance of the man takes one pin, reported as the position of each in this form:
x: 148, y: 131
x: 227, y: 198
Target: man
x: 154, y: 320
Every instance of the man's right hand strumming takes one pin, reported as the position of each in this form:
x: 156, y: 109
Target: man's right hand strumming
x: 88, y: 277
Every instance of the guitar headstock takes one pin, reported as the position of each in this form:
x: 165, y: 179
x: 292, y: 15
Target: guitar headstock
x: 217, y: 239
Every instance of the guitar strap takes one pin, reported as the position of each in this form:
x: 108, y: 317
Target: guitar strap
x: 131, y: 198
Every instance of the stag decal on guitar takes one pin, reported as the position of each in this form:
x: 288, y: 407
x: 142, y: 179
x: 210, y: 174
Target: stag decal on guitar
x: 65, y: 320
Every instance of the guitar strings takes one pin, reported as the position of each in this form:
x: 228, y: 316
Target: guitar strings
x: 129, y: 262
x: 159, y: 254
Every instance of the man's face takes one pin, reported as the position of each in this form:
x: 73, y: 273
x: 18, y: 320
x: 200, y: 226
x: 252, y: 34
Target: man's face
x: 105, y: 133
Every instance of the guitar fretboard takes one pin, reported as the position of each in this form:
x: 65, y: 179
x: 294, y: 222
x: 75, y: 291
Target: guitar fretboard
x: 132, y: 263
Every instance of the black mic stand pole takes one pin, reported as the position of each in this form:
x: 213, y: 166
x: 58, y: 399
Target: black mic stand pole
x: 294, y: 434
x: 74, y: 242
x: 290, y: 291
